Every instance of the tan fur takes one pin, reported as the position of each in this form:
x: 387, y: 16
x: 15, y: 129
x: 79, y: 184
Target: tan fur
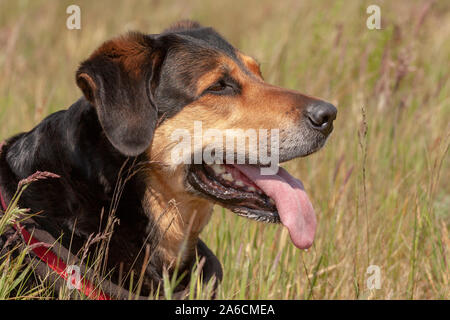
x: 130, y: 49
x: 180, y: 216
x: 251, y: 64
x: 259, y: 106
x: 207, y: 80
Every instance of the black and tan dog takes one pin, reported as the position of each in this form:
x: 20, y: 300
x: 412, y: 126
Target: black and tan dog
x: 137, y: 90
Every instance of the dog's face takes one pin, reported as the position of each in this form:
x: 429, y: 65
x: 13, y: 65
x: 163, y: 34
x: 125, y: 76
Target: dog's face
x: 146, y: 87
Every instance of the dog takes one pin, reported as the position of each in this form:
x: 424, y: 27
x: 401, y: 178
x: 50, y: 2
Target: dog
x: 137, y: 89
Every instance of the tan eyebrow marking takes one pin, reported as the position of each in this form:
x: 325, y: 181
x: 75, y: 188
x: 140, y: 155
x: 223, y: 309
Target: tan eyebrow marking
x: 208, y: 79
x: 251, y: 64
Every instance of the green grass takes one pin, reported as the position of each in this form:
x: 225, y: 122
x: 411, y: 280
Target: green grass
x: 381, y: 189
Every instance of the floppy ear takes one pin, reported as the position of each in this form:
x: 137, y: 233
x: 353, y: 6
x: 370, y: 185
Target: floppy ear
x: 117, y: 80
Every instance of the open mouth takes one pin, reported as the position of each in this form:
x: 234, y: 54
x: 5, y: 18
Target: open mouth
x: 270, y: 198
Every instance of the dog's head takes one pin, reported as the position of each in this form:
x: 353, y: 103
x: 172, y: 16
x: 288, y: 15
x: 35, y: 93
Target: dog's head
x: 183, y: 92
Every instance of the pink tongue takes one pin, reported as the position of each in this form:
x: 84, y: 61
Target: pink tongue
x: 295, y: 209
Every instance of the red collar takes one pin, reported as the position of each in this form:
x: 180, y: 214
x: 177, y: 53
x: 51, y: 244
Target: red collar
x: 54, y: 262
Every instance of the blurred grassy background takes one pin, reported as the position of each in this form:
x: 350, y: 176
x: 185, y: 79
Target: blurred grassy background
x: 380, y: 186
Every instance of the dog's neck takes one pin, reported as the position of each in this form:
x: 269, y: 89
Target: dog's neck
x: 180, y: 216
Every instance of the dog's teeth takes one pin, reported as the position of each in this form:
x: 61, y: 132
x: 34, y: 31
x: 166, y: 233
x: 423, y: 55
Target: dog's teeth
x: 271, y: 201
x: 218, y: 169
x: 252, y: 188
x: 239, y: 183
x: 227, y: 176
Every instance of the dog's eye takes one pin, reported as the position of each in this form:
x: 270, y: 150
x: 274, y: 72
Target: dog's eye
x: 220, y: 87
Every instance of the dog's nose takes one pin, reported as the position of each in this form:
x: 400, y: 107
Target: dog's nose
x: 320, y: 116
